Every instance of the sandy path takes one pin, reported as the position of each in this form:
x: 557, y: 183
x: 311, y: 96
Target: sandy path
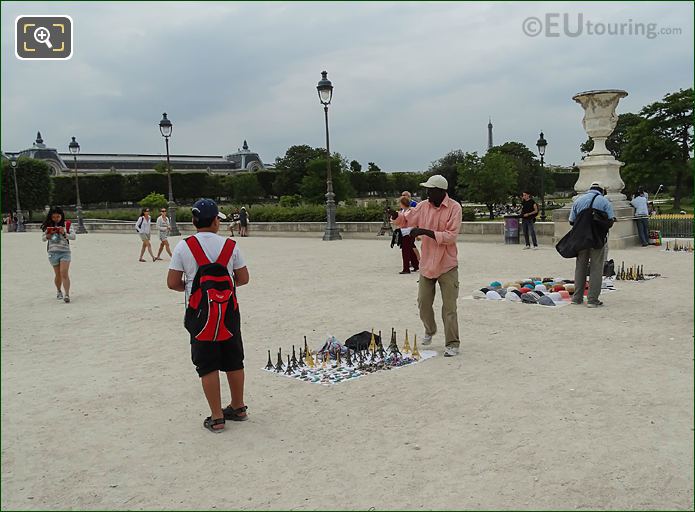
x: 571, y: 408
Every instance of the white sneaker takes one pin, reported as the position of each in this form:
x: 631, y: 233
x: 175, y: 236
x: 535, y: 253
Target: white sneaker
x: 451, y: 351
x: 535, y: 247
x: 526, y: 248
x: 59, y: 295
x: 426, y: 340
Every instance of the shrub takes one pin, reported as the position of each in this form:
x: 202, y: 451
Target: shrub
x: 469, y: 215
x: 290, y: 201
x: 153, y: 201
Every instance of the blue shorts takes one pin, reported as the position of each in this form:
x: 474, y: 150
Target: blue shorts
x: 56, y: 257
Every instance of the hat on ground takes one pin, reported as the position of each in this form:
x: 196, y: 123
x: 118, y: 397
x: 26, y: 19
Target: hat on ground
x: 569, y: 287
x: 502, y: 292
x: 555, y: 297
x: 564, y: 294
x: 512, y: 288
x: 485, y: 290
x: 206, y: 209
x: 495, y: 284
x: 535, y: 278
x: 529, y: 298
x: 512, y: 297
x: 517, y: 293
x: 493, y: 295
x: 558, y: 287
x: 510, y: 285
x: 546, y: 301
x: 540, y: 288
x: 525, y: 289
x: 436, y: 181
x: 478, y: 294
x: 539, y: 293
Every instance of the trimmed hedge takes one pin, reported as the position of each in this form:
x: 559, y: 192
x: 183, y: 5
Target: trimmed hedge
x: 258, y: 213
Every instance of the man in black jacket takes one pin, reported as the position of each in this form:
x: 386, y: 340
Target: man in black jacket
x: 529, y: 211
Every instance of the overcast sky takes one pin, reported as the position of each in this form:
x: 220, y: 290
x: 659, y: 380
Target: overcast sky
x: 412, y: 80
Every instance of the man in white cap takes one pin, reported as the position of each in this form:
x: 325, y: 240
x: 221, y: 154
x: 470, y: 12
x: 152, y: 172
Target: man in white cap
x: 437, y: 221
x: 593, y: 258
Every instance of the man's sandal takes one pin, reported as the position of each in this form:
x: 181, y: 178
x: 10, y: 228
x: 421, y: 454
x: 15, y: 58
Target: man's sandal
x: 235, y: 414
x: 210, y: 424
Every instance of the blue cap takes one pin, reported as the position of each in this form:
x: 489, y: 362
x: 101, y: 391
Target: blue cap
x: 206, y: 209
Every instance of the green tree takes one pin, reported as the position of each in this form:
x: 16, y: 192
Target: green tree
x: 372, y: 167
x: 447, y: 166
x: 153, y: 201
x: 355, y: 166
x: 489, y: 180
x: 528, y: 168
x: 246, y: 188
x: 292, y: 167
x: 672, y: 118
x: 33, y: 181
x: 313, y: 187
x: 160, y: 167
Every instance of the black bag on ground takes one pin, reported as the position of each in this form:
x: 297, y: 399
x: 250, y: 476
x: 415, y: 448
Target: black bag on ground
x: 608, y: 268
x: 589, y: 231
x: 360, y: 341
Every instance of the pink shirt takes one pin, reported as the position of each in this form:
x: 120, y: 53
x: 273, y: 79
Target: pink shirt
x: 441, y: 254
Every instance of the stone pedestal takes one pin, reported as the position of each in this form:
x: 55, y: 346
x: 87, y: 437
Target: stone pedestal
x: 601, y: 166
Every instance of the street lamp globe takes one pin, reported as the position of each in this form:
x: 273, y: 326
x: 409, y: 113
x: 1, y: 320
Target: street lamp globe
x: 74, y: 147
x: 541, y: 144
x: 325, y: 89
x: 165, y: 126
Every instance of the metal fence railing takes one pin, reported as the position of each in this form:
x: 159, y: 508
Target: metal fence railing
x: 672, y: 226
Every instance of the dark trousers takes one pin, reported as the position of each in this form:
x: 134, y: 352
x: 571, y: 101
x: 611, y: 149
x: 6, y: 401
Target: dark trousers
x: 527, y: 224
x: 591, y: 260
x: 643, y: 229
x: 408, y: 254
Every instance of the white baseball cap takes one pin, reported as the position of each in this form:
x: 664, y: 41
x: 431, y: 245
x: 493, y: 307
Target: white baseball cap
x: 436, y: 181
x: 595, y: 184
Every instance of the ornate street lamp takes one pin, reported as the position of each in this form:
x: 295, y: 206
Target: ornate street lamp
x: 165, y: 128
x: 74, y: 148
x: 20, y: 215
x: 541, y: 144
x: 325, y: 90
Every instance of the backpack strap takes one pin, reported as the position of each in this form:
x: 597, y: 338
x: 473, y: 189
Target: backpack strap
x: 197, y: 250
x: 226, y: 252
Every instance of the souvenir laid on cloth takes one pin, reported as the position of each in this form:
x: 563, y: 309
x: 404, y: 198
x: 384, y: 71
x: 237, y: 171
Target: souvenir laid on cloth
x: 337, y: 363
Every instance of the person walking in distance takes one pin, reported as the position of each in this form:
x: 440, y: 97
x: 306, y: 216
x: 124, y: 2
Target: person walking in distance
x: 529, y: 212
x: 438, y: 221
x: 142, y: 226
x: 407, y: 243
x: 243, y: 222
x: 57, y: 233
x: 163, y: 227
x: 592, y: 258
x: 209, y: 268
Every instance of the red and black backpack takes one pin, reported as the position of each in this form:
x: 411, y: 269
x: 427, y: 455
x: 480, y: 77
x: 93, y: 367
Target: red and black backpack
x: 212, y: 313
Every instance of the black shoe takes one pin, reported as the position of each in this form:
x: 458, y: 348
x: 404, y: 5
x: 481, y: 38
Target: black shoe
x: 404, y: 272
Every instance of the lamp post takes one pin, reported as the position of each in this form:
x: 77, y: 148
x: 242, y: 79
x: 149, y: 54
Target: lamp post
x: 20, y: 215
x: 325, y: 90
x: 541, y: 144
x: 74, y: 148
x: 165, y: 128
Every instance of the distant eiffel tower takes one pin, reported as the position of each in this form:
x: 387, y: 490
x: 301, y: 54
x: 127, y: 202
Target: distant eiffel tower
x: 489, y: 134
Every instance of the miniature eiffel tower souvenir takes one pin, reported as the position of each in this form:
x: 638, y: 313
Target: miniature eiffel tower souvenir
x: 337, y: 358
x: 306, y: 346
x: 269, y: 364
x: 288, y: 371
x: 416, y: 352
x: 393, y: 347
x: 406, y: 344
x: 348, y: 360
x: 300, y: 359
x: 372, y: 342
x: 667, y: 247
x: 325, y: 357
x: 294, y: 358
x: 279, y: 366
x: 380, y: 347
x: 309, y: 359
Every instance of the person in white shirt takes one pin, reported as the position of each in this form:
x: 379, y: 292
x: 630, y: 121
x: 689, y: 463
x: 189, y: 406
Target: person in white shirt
x: 212, y: 357
x: 142, y: 226
x: 163, y: 226
x: 639, y: 202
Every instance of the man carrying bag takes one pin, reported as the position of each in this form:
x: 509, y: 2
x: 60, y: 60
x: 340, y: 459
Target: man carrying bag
x: 591, y: 218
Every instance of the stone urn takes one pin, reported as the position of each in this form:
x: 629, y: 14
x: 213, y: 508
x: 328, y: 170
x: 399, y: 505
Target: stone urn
x: 599, y: 122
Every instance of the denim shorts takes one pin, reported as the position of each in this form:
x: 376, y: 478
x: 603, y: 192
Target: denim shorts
x: 56, y: 257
